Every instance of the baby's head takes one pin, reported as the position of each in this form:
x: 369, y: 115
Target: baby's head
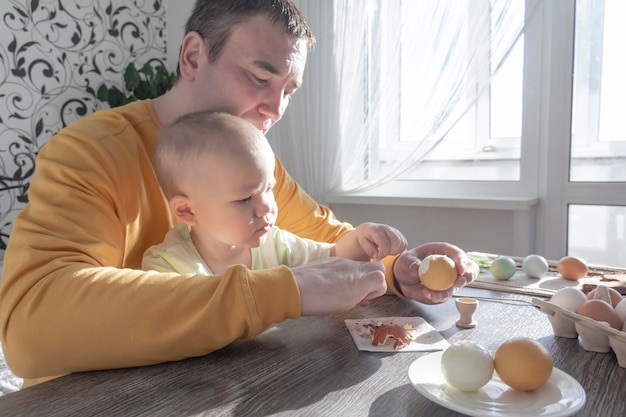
x: 217, y: 172
x: 186, y: 147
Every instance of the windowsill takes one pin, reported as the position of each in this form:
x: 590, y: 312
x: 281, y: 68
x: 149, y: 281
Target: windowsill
x: 523, y: 209
x: 393, y: 196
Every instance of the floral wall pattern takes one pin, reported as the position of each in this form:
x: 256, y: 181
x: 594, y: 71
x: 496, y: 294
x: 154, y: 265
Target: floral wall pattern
x: 54, y: 54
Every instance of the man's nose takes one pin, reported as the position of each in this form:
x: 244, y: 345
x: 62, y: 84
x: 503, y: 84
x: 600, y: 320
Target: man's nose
x: 274, y: 105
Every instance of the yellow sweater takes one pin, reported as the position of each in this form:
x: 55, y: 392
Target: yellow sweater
x: 72, y: 297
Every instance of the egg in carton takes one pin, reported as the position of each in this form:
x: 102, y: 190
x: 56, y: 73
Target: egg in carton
x: 595, y: 336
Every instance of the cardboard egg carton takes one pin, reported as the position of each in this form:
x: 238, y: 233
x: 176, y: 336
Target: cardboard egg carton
x: 595, y: 336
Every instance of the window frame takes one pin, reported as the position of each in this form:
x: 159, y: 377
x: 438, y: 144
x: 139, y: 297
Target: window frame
x: 546, y: 129
x: 478, y: 118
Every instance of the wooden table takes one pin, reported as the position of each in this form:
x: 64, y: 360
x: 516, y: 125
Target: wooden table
x: 311, y: 367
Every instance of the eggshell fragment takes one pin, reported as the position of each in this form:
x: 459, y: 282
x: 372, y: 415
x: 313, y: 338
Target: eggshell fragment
x: 600, y: 311
x: 391, y: 331
x: 572, y: 268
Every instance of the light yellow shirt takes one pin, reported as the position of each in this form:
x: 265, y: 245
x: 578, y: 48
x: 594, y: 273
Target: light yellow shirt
x: 178, y: 253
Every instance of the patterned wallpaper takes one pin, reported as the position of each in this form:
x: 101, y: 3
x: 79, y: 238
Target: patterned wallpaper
x: 54, y: 54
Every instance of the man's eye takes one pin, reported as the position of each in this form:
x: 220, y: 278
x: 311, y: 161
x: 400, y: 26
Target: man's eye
x: 259, y: 81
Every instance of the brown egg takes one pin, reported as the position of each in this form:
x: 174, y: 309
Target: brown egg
x: 602, y: 292
x: 523, y: 363
x: 572, y: 268
x: 437, y: 272
x: 600, y: 310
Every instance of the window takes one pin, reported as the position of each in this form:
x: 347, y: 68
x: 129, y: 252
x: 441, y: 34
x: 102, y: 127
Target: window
x: 596, y: 231
x: 598, y: 151
x: 483, y: 139
x: 549, y: 125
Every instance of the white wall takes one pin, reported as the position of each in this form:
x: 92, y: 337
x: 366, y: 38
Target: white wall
x: 177, y: 13
x: 490, y: 231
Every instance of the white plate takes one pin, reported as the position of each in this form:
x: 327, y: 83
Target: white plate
x: 562, y: 395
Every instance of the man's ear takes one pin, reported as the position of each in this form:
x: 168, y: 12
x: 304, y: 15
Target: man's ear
x: 192, y: 50
x: 181, y: 208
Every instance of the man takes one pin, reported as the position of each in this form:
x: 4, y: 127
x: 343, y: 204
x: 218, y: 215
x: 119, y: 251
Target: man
x: 72, y: 297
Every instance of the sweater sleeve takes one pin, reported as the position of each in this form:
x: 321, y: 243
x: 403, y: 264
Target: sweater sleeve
x: 72, y: 297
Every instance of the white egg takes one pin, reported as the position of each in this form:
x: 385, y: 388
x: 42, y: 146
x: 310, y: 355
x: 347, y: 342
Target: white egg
x: 466, y: 365
x: 569, y: 298
x: 620, y: 309
x: 535, y: 266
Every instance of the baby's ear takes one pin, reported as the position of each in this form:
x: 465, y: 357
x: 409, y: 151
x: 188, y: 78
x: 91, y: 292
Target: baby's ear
x: 181, y: 208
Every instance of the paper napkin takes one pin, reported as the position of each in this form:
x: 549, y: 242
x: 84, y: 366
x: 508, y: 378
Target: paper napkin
x: 424, y: 337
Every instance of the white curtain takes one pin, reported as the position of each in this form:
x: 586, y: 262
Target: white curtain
x: 307, y: 138
x: 353, y: 111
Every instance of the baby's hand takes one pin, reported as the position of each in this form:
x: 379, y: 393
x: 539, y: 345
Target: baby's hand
x: 380, y: 240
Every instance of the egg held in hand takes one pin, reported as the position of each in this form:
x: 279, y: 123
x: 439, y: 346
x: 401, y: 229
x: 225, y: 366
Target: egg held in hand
x: 437, y: 272
x: 466, y: 365
x: 523, y: 364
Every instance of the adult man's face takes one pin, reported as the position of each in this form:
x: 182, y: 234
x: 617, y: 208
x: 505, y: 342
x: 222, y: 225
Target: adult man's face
x: 260, y: 67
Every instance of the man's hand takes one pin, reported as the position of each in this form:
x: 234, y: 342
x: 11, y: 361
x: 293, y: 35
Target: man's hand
x: 334, y: 284
x: 406, y: 267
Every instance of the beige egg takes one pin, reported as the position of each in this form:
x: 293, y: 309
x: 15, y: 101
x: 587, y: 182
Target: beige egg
x: 572, y: 268
x: 600, y: 311
x: 437, y: 272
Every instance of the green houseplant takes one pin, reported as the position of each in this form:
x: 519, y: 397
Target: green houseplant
x: 143, y: 83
